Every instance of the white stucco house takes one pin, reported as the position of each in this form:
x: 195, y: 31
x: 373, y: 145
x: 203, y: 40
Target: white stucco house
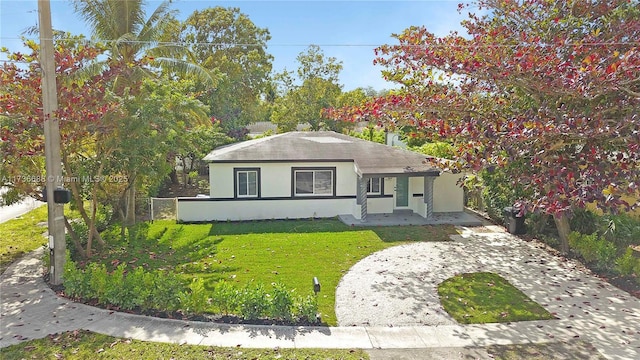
x: 319, y: 174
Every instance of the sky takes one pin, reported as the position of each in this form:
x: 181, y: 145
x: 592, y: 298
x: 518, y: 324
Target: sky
x: 346, y: 30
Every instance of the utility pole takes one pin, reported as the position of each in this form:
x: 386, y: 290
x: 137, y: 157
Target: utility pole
x: 55, y: 215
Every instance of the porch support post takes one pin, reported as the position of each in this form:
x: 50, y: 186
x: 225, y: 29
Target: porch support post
x: 361, y: 198
x: 428, y: 195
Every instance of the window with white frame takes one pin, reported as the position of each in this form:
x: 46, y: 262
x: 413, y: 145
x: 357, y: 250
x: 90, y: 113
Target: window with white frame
x: 313, y: 182
x: 374, y: 186
x: 247, y: 182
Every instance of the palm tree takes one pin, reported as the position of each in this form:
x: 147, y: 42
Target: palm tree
x: 135, y: 52
x: 133, y: 41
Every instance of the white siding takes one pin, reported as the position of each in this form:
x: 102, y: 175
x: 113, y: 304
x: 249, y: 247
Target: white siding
x: 448, y: 195
x: 209, y: 210
x: 275, y: 183
x: 275, y: 178
x: 221, y: 180
x: 379, y: 205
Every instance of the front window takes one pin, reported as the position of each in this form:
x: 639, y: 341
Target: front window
x: 374, y: 186
x: 313, y: 182
x: 247, y: 183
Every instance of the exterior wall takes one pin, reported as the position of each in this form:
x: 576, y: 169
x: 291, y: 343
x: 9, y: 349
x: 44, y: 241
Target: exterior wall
x: 416, y: 196
x: 416, y: 187
x: 276, y: 202
x: 380, y: 205
x: 205, y: 209
x: 221, y: 180
x: 275, y: 178
x: 448, y: 196
x: 384, y: 204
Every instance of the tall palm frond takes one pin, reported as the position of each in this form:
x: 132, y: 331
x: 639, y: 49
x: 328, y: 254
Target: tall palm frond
x: 123, y: 25
x: 110, y: 19
x: 157, y: 22
x: 182, y: 67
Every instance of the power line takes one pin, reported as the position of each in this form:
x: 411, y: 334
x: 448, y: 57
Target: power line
x: 231, y: 44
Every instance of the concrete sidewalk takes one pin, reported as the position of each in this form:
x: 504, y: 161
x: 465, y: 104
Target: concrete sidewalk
x: 30, y: 309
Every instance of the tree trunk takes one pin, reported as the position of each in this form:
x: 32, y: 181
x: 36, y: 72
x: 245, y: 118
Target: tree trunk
x: 542, y: 223
x: 74, y: 238
x: 92, y: 226
x: 173, y: 176
x: 128, y: 202
x: 77, y: 198
x: 185, y: 174
x: 131, y: 211
x: 564, y: 228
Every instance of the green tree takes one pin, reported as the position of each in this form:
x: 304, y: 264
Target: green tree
x: 226, y: 40
x: 318, y: 89
x: 83, y: 111
x: 160, y: 116
x: 547, y: 92
x: 355, y: 97
x: 134, y: 47
x: 134, y: 53
x: 196, y: 144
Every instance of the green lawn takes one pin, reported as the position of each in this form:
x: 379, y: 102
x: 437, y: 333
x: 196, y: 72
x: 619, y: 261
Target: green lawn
x: 478, y: 298
x: 22, y: 235
x: 80, y: 345
x: 290, y: 252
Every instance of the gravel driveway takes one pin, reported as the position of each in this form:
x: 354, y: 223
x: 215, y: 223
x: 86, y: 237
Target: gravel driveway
x: 398, y: 286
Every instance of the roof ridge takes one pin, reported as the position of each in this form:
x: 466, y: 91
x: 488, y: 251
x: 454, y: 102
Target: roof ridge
x: 241, y: 145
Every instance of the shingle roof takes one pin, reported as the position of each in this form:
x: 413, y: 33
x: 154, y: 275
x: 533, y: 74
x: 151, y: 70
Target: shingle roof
x: 369, y: 158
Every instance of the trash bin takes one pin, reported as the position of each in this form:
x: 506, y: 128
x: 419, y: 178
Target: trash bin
x: 512, y: 221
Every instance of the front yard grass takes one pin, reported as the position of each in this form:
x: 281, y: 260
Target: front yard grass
x: 290, y: 252
x: 22, y: 235
x: 82, y: 344
x: 478, y: 298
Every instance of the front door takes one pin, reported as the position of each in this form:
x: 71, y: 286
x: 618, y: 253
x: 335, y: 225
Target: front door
x: 402, y: 192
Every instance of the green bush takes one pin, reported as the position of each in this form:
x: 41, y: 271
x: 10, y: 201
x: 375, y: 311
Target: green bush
x: 225, y: 298
x: 157, y: 291
x: 98, y: 282
x: 627, y: 263
x: 163, y: 295
x: 76, y: 284
x: 136, y: 289
x: 306, y: 309
x: 594, y: 249
x: 115, y: 293
x: 196, y: 300
x: 437, y: 149
x: 148, y: 290
x: 584, y: 221
x: 253, y: 302
x: 622, y: 229
x: 281, y: 303
x: 498, y: 188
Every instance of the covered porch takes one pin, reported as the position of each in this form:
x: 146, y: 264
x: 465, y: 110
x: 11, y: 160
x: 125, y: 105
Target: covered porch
x: 404, y: 194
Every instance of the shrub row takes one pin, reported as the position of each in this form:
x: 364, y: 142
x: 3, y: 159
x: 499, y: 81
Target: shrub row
x: 602, y: 253
x: 628, y: 264
x: 127, y: 290
x: 594, y: 249
x: 251, y: 302
x: 164, y: 291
